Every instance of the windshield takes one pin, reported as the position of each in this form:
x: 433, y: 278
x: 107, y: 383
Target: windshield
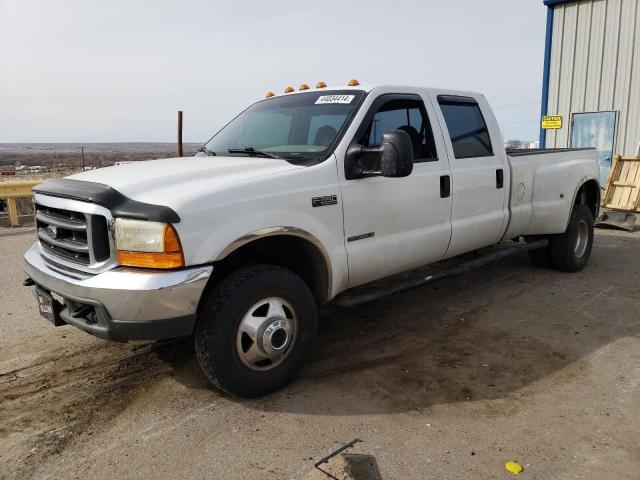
x: 302, y: 128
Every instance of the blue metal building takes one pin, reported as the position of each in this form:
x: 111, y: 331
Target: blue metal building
x: 592, y: 76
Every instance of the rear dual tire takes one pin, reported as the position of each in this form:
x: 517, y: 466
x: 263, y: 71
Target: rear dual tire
x: 541, y: 257
x: 569, y: 251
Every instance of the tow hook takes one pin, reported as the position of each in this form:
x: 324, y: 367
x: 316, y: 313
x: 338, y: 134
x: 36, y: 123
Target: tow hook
x: 28, y: 282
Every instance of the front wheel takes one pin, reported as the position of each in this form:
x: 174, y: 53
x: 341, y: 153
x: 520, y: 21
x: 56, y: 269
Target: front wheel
x: 255, y: 330
x: 570, y: 251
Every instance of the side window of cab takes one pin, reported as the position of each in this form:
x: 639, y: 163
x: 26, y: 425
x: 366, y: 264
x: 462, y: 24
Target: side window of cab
x: 467, y: 128
x: 402, y: 112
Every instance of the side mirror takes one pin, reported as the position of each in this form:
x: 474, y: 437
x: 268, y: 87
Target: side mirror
x: 396, y: 154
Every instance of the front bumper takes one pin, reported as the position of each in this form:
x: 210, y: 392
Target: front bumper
x: 125, y: 303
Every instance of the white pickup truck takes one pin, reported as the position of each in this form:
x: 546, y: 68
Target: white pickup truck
x: 299, y: 199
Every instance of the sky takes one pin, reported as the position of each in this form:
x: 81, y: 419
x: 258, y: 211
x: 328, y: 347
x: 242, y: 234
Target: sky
x: 119, y: 70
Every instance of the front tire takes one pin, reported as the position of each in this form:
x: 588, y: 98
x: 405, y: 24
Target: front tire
x: 255, y: 330
x: 570, y: 251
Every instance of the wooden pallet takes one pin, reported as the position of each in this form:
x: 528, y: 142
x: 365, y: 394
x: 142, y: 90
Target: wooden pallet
x: 623, y: 188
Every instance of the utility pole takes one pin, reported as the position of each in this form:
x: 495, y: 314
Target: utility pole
x: 82, y: 150
x: 180, y: 133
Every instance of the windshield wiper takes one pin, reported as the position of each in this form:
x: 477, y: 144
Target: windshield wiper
x: 204, y: 149
x: 252, y: 152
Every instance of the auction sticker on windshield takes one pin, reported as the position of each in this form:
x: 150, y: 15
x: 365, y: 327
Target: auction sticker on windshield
x: 324, y: 99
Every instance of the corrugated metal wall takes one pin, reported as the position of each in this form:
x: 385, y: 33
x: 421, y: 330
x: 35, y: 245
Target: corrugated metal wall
x: 595, y: 66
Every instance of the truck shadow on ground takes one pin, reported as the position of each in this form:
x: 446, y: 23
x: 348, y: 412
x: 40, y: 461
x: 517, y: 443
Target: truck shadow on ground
x: 485, y: 336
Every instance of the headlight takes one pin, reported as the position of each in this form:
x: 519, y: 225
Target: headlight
x: 147, y: 244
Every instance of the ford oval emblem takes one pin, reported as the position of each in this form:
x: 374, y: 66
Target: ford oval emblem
x: 52, y: 231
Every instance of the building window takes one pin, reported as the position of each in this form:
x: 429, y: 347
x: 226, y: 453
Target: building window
x: 597, y: 130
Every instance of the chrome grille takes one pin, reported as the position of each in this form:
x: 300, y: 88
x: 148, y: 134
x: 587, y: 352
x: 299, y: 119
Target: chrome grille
x: 63, y: 233
x: 75, y: 238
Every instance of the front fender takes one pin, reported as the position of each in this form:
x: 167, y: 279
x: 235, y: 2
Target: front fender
x: 225, y: 238
x: 215, y: 223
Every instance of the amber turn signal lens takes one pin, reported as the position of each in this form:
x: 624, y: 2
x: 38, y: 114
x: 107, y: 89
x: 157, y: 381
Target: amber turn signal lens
x: 303, y: 86
x: 171, y: 240
x: 150, y: 260
x: 270, y: 94
x: 289, y: 90
x: 172, y: 257
x: 353, y: 83
x: 321, y: 85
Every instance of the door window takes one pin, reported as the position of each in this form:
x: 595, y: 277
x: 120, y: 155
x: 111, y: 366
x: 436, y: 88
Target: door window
x: 467, y: 128
x: 407, y: 114
x: 597, y: 130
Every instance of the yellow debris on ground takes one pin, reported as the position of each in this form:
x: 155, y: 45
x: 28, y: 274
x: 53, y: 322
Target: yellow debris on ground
x: 513, y: 467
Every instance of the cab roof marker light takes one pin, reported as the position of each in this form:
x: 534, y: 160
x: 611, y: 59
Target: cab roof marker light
x: 270, y: 94
x: 321, y: 84
x: 289, y: 89
x: 353, y: 83
x: 303, y: 86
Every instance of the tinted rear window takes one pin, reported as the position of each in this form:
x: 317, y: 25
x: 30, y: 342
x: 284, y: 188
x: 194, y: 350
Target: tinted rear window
x: 467, y: 128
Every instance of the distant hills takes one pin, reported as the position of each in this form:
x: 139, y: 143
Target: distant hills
x: 95, y: 154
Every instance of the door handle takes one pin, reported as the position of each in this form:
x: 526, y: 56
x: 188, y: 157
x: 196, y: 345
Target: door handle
x: 499, y: 178
x: 445, y: 186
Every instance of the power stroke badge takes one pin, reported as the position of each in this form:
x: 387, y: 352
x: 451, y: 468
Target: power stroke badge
x: 324, y: 201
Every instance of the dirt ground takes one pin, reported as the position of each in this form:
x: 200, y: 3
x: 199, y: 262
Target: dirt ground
x: 449, y: 381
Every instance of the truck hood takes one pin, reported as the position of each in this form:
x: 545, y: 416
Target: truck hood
x: 167, y: 181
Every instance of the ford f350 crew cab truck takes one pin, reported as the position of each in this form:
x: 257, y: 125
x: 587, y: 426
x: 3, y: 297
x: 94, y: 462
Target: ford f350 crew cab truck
x: 303, y: 196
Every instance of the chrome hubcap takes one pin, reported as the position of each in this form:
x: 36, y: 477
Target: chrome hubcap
x: 582, y: 239
x: 266, y: 333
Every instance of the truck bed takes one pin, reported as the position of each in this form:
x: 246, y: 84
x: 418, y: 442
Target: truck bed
x: 543, y: 187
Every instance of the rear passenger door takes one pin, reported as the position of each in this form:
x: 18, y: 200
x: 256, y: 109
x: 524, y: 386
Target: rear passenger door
x: 479, y: 172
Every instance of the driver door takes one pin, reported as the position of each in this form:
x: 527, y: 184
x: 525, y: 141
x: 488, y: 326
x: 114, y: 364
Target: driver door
x: 395, y: 224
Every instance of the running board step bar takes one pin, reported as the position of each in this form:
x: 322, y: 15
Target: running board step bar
x: 360, y: 295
